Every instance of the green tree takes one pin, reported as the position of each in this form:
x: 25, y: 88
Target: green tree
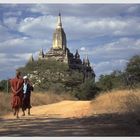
x: 133, y: 67
x: 114, y: 80
x: 73, y: 80
x: 86, y: 90
x: 105, y: 82
x: 132, y: 70
x: 4, y: 86
x: 52, y: 75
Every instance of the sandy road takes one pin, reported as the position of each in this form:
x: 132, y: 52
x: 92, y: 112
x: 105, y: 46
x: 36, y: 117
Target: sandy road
x: 67, y: 118
x: 64, y: 109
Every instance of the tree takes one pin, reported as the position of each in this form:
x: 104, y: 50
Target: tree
x: 4, y: 86
x: 105, y: 82
x: 86, y: 90
x: 52, y: 75
x: 74, y: 79
x: 132, y: 71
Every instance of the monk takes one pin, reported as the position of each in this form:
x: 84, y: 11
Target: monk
x: 17, y: 93
x: 27, y: 88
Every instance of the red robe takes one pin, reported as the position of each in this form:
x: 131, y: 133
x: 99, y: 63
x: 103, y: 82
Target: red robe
x: 17, y: 92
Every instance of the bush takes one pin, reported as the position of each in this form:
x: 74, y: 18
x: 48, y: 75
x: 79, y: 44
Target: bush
x: 4, y: 86
x: 115, y: 80
x: 132, y: 72
x: 86, y: 90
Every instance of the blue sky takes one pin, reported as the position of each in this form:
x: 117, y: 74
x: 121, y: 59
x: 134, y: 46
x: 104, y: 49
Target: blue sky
x: 108, y: 33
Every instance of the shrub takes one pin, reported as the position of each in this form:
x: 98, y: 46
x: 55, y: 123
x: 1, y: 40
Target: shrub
x: 87, y: 90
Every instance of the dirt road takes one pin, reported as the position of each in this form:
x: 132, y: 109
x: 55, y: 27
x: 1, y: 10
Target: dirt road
x: 68, y: 118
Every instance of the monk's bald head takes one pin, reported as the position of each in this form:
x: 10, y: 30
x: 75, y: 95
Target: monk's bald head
x: 18, y: 73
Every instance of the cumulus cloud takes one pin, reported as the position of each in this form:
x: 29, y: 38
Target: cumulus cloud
x: 10, y: 22
x: 12, y: 13
x: 23, y: 45
x: 90, y: 10
x: 91, y: 28
x: 108, y: 33
x: 106, y: 67
x: 40, y: 27
x: 3, y: 33
x: 113, y: 56
x: 82, y: 48
x: 122, y: 48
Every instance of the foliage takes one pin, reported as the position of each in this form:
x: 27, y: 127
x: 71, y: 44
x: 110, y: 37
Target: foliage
x: 73, y: 80
x: 57, y: 77
x: 52, y: 75
x: 42, y: 65
x: 112, y: 81
x: 120, y: 80
x: 133, y: 66
x: 4, y: 86
x: 132, y: 71
x: 105, y: 82
x: 86, y: 90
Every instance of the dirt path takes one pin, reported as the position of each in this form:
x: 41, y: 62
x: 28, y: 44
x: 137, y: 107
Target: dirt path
x: 64, y: 109
x: 68, y: 118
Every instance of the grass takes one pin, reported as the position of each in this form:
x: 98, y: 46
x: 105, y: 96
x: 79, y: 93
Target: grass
x: 48, y: 98
x: 5, y: 103
x: 36, y: 99
x: 119, y: 101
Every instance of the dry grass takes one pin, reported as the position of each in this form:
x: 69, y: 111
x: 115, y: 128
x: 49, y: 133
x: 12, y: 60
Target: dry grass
x: 36, y: 99
x: 5, y: 103
x: 48, y: 98
x: 121, y: 101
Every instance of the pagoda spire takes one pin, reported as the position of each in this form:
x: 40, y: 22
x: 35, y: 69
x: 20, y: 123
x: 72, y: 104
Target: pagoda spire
x: 31, y: 59
x: 77, y: 56
x: 59, y: 36
x: 87, y: 60
x: 41, y: 54
x: 59, y: 23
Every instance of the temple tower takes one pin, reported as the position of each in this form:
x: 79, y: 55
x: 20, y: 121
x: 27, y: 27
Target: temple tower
x: 31, y: 59
x: 59, y: 36
x: 41, y: 54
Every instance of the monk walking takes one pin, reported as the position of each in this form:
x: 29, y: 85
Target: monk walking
x: 17, y: 93
x: 27, y: 88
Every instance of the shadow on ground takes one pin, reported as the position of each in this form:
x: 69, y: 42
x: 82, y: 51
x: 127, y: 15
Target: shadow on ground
x: 102, y: 125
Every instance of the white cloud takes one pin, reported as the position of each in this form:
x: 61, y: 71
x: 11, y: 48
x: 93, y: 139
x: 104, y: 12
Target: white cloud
x: 10, y: 22
x: 23, y: 45
x: 120, y: 49
x: 12, y: 14
x: 114, y: 55
x: 82, y: 48
x: 40, y: 27
x: 13, y: 58
x: 3, y: 33
x: 24, y: 29
x: 90, y: 10
x: 133, y: 9
x: 10, y: 62
x: 44, y: 26
x: 106, y: 67
x: 23, y: 56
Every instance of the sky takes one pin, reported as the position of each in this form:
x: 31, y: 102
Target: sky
x: 108, y: 33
